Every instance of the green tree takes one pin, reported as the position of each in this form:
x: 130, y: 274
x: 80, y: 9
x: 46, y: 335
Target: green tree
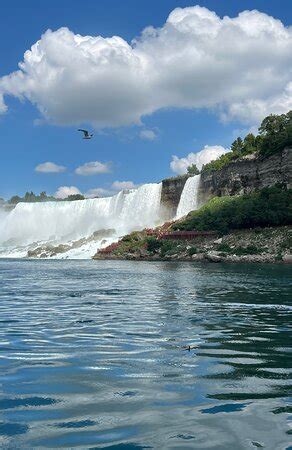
x: 276, y: 133
x: 237, y: 146
x: 73, y: 197
x: 15, y: 199
x: 193, y: 170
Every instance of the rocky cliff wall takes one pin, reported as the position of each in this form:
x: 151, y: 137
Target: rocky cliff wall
x: 239, y: 177
x: 170, y: 194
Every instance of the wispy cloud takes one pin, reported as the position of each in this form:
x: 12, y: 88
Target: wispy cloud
x: 49, y: 167
x: 120, y: 185
x: 148, y: 135
x: 93, y: 168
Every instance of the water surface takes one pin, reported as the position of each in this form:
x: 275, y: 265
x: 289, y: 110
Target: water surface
x: 92, y: 357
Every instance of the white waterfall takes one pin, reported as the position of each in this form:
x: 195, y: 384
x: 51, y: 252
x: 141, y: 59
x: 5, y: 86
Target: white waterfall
x: 189, y: 197
x: 32, y: 224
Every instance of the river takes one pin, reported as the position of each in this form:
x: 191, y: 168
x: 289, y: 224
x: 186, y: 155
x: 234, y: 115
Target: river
x: 92, y: 355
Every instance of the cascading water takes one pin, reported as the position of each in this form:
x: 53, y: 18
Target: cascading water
x: 32, y: 224
x: 189, y: 197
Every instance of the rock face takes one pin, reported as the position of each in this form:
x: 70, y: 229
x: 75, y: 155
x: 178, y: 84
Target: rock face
x: 170, y: 194
x: 247, y: 175
x: 239, y: 177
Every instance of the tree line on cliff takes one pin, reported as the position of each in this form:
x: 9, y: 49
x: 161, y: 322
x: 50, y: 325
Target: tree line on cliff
x: 275, y: 134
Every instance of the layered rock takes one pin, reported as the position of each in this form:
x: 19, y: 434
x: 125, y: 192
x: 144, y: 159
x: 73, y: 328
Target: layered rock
x: 239, y: 177
x: 247, y: 175
x: 170, y: 194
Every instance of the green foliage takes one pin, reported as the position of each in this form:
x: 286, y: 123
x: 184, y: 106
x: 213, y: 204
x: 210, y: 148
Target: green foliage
x: 168, y: 247
x: 249, y: 250
x: 275, y: 133
x: 15, y: 199
x: 193, y: 170
x: 153, y: 244
x: 267, y: 207
x: 192, y: 251
x: 73, y: 197
x: 224, y: 248
x: 31, y: 197
x: 239, y: 251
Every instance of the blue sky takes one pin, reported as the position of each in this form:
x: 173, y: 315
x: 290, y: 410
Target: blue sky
x: 28, y: 140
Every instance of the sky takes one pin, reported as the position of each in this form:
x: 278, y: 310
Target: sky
x: 161, y: 84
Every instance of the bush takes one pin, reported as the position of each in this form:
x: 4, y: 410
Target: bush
x: 249, y: 250
x: 192, y: 251
x: 152, y: 244
x: 267, y: 207
x: 224, y: 248
x: 168, y: 247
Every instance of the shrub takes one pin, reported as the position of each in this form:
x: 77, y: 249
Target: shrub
x: 192, y: 251
x: 224, y: 248
x: 267, y: 207
x: 168, y: 246
x: 152, y: 244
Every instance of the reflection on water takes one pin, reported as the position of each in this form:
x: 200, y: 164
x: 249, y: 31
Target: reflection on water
x: 92, y: 355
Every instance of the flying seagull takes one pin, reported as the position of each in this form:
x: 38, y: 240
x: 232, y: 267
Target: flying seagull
x: 86, y: 134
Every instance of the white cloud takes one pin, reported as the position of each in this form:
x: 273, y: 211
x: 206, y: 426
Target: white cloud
x: 209, y: 153
x: 64, y: 191
x: 93, y: 168
x: 49, y: 167
x: 99, y: 192
x: 240, y: 67
x: 120, y: 185
x: 148, y: 135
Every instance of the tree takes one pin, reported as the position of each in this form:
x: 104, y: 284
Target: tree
x: 276, y: 133
x: 15, y: 199
x: 193, y: 170
x: 73, y: 197
x: 237, y: 146
x: 30, y: 197
x: 43, y: 196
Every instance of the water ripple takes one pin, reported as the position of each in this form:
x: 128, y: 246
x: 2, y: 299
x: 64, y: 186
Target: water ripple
x: 95, y: 355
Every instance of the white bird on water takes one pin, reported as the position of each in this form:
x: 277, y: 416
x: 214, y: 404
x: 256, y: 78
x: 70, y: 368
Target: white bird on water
x: 86, y: 133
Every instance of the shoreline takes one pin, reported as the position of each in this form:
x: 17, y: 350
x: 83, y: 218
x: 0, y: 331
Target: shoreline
x: 267, y: 245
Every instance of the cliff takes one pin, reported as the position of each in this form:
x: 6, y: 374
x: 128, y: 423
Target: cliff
x: 170, y: 194
x: 243, y: 176
x: 247, y: 175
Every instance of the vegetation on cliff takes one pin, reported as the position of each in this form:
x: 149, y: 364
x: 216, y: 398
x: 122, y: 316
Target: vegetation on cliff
x: 275, y: 133
x: 267, y: 207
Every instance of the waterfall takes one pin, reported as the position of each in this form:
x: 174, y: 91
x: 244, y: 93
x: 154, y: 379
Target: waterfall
x: 29, y: 224
x: 189, y: 197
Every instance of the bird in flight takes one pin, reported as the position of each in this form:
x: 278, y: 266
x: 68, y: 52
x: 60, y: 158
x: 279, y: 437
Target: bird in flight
x: 86, y: 134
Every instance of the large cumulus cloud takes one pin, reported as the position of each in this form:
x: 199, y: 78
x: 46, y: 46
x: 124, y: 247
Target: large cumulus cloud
x: 240, y: 67
x: 204, y: 156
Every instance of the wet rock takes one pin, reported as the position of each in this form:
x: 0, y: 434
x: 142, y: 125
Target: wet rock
x: 287, y: 258
x: 213, y: 257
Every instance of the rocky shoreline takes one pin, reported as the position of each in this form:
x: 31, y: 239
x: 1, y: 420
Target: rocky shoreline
x: 258, y: 245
